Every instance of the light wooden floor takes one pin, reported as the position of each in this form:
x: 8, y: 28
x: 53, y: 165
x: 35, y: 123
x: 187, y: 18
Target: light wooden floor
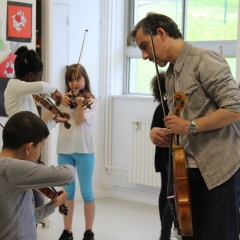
x: 114, y: 220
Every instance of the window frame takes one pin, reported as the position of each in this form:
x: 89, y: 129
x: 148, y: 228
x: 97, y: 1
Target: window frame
x: 226, y: 47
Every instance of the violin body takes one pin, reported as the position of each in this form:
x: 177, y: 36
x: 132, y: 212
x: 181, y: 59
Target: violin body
x: 52, y: 108
x: 180, y: 178
x: 181, y: 190
x: 82, y: 93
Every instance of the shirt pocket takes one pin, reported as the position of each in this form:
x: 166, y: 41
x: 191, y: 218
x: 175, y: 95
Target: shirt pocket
x: 194, y: 96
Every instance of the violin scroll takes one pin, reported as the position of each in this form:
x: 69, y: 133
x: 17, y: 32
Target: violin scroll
x: 180, y: 97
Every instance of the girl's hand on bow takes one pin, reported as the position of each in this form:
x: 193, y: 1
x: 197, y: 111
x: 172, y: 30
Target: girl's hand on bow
x: 66, y: 99
x: 57, y: 96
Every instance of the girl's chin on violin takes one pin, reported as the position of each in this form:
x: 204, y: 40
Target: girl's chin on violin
x: 76, y: 91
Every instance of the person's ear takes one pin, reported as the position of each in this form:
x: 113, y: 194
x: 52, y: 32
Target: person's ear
x: 27, y: 148
x: 161, y: 32
x: 30, y: 76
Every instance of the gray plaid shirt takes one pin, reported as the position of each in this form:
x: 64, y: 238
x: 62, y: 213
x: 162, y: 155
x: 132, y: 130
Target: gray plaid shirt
x: 205, y: 78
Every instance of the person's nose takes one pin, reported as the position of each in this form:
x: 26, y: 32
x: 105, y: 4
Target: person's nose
x: 74, y: 82
x: 145, y: 55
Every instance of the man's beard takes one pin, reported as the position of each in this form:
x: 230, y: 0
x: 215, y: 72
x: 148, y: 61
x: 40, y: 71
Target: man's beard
x: 162, y: 63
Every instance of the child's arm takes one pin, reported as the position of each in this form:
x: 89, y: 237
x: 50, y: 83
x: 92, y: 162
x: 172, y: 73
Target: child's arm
x: 61, y: 199
x: 47, y: 116
x: 47, y: 209
x: 27, y: 175
x: 26, y: 88
x: 57, y: 118
x: 79, y: 115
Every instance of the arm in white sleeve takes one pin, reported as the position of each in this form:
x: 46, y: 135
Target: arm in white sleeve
x: 51, y: 124
x: 25, y: 88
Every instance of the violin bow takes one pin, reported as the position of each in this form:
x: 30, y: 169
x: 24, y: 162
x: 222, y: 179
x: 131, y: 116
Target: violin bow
x: 170, y: 188
x: 159, y: 86
x: 82, y: 46
x: 78, y: 64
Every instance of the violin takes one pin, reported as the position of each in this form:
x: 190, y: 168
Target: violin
x: 46, y: 103
x: 52, y: 193
x: 180, y: 178
x: 82, y: 93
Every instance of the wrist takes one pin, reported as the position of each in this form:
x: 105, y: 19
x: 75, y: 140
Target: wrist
x: 55, y: 119
x: 54, y: 202
x: 192, y: 127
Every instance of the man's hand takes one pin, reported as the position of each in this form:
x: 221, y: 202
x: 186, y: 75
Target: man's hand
x: 160, y: 137
x: 63, y: 118
x: 176, y: 125
x: 61, y: 199
x: 57, y: 96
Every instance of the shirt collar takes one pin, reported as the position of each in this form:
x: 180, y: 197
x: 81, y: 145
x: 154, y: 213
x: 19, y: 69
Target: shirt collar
x: 182, y: 56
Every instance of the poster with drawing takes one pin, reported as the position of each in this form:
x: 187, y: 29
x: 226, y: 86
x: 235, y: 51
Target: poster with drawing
x: 19, y: 22
x: 6, y: 72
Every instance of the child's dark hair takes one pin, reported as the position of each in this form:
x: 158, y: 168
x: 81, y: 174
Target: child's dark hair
x: 155, y: 88
x: 27, y: 61
x: 71, y: 72
x: 24, y: 127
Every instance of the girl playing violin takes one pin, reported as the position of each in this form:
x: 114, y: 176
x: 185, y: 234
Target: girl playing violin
x: 18, y: 93
x: 75, y: 147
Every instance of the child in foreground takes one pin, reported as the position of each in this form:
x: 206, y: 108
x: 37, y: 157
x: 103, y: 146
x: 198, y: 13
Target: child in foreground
x: 23, y: 137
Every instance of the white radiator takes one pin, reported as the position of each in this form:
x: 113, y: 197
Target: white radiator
x: 142, y: 170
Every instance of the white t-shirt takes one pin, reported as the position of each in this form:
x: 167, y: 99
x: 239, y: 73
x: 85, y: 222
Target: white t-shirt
x: 18, y: 97
x: 78, y: 138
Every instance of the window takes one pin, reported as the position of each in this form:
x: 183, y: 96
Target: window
x: 208, y: 24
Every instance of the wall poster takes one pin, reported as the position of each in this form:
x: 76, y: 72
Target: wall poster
x: 19, y: 22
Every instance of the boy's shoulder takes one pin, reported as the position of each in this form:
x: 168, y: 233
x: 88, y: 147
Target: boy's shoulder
x: 6, y: 160
x: 8, y: 163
